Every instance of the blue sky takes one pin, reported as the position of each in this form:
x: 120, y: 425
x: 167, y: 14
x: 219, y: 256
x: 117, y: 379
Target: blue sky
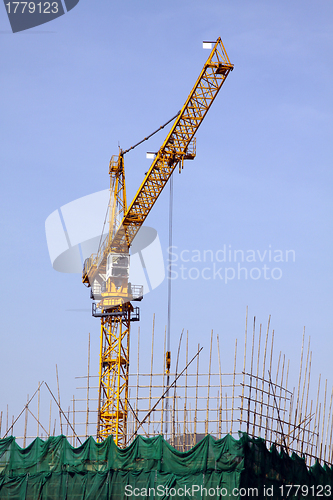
x: 112, y: 72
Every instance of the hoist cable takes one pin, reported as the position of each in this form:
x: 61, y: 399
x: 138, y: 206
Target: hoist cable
x: 169, y: 297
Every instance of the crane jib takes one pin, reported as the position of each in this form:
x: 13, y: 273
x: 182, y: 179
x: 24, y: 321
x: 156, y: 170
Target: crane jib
x: 176, y: 144
x: 173, y: 151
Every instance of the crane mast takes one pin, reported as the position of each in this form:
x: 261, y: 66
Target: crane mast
x: 107, y: 272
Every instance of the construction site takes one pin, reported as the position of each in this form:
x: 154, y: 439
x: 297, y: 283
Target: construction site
x: 178, y: 423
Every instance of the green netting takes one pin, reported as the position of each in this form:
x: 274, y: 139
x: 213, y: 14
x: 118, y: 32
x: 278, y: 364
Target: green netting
x: 282, y: 476
x: 151, y: 468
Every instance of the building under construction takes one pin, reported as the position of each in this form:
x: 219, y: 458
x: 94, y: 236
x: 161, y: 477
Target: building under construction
x: 247, y: 430
x: 177, y: 429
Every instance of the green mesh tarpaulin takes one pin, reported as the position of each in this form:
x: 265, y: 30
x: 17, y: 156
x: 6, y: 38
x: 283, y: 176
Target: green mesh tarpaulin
x: 277, y: 475
x: 151, y: 468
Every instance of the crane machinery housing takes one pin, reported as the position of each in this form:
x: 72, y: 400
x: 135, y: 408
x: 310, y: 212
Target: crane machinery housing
x: 107, y: 272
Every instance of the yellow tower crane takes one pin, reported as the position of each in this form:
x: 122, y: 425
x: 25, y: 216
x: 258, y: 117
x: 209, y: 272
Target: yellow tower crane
x: 107, y: 271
